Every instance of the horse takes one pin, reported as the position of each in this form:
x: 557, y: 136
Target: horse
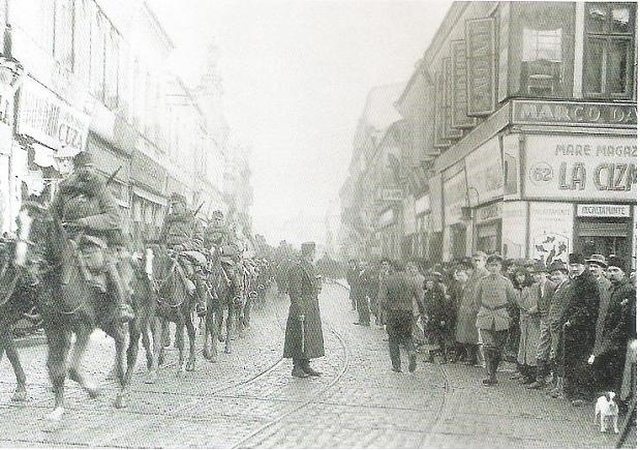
x: 224, y: 301
x: 17, y: 301
x: 69, y: 304
x: 174, y: 304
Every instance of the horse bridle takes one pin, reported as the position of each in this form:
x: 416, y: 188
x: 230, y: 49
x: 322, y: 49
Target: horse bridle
x: 157, y: 285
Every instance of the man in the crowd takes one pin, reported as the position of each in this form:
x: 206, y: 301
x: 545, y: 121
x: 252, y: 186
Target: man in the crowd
x: 541, y: 293
x: 383, y: 275
x: 303, y: 335
x: 466, y: 331
x: 580, y: 331
x: 399, y: 293
x: 495, y: 292
x: 362, y: 290
x: 89, y: 214
x: 597, y: 265
x: 609, y: 362
x: 418, y: 279
x: 352, y: 275
x: 182, y: 232
x: 559, y: 274
x: 223, y: 238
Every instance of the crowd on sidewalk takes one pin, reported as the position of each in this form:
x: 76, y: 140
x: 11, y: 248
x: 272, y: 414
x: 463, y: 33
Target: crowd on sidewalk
x: 567, y: 327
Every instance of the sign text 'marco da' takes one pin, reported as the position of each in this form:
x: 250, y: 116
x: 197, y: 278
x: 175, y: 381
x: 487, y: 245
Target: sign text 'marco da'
x: 574, y: 113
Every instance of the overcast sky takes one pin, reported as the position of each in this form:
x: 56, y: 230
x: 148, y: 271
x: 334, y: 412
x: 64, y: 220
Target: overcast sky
x: 296, y: 75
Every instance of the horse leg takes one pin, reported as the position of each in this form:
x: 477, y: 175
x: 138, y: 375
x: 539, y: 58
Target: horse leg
x: 7, y: 344
x: 146, y: 343
x: 191, y: 332
x: 59, y: 342
x: 75, y: 371
x: 227, y: 342
x: 132, y: 357
x: 156, y: 331
x: 180, y: 344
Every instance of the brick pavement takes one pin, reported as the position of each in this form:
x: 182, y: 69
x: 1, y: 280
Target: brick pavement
x: 357, y: 403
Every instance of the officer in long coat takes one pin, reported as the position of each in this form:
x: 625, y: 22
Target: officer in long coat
x: 303, y: 339
x: 580, y: 319
x: 88, y: 210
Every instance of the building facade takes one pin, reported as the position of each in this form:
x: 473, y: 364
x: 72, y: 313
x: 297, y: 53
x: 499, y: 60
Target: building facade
x: 523, y: 119
x: 95, y: 78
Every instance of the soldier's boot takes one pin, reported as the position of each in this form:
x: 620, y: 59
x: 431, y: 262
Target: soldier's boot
x: 298, y: 370
x: 124, y: 311
x: 201, y: 306
x: 308, y: 369
x: 491, y: 362
x: 541, y: 373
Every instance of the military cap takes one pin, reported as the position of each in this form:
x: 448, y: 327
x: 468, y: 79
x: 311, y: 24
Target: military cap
x: 576, y: 258
x: 307, y: 247
x: 616, y: 261
x: 494, y: 258
x: 598, y: 259
x: 558, y: 264
x: 82, y: 159
x: 177, y: 198
x: 538, y: 267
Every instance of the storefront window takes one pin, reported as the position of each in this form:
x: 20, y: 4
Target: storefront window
x: 608, y: 64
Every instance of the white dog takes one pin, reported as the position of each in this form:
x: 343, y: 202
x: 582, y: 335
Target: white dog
x: 608, y: 409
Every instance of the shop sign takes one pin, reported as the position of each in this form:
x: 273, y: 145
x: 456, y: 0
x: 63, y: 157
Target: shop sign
x: 484, y: 172
x: 46, y: 118
x: 604, y: 211
x: 489, y: 212
x: 481, y: 79
x: 580, y: 167
x: 390, y: 194
x: 458, y: 93
x: 148, y: 172
x: 574, y: 113
x: 455, y: 197
x: 550, y: 231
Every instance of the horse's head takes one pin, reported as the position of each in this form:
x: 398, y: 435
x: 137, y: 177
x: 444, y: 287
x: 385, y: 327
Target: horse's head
x: 33, y: 222
x: 160, y: 260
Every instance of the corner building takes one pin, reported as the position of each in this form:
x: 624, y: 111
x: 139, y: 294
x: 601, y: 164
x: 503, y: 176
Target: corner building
x: 524, y: 117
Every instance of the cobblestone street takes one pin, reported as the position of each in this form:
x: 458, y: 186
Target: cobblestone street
x: 249, y: 399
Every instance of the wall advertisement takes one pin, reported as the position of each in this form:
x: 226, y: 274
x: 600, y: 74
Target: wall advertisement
x: 582, y: 167
x: 550, y: 231
x: 514, y: 226
x: 484, y: 173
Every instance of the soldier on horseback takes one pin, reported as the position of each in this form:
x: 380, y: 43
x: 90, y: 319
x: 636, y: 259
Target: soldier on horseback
x: 222, y: 238
x: 181, y: 232
x: 91, y: 220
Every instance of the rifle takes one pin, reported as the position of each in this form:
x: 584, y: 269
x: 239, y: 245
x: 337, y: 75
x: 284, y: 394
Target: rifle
x: 198, y: 209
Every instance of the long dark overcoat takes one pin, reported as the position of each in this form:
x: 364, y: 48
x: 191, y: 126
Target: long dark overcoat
x: 303, y: 291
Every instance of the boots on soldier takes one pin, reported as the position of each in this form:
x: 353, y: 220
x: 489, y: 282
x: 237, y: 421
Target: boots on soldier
x: 298, y: 370
x: 124, y: 311
x: 541, y: 373
x: 489, y: 360
x: 308, y: 369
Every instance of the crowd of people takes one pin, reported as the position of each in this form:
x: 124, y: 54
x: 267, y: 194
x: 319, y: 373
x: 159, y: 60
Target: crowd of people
x: 566, y: 326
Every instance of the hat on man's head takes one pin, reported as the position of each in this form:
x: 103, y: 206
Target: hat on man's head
x: 576, y: 258
x: 616, y: 261
x: 307, y: 247
x: 598, y: 259
x: 480, y: 253
x: 82, y: 159
x: 538, y: 267
x: 178, y: 198
x: 217, y: 214
x: 558, y: 264
x: 494, y: 258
